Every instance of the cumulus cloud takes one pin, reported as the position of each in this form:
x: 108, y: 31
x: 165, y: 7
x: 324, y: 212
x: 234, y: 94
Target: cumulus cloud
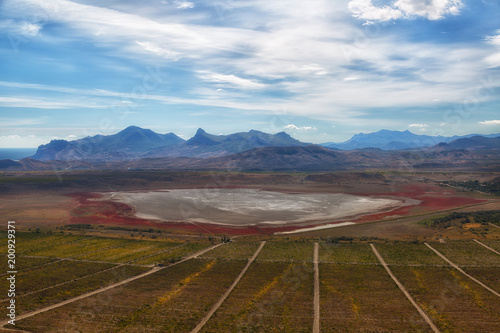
x: 305, y: 128
x: 420, y: 127
x: 364, y: 9
x: 430, y: 9
x: 490, y: 122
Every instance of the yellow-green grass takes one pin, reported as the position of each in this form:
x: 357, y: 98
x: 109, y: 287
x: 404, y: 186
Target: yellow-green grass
x: 129, y: 251
x: 409, y: 254
x: 355, y: 253
x: 233, y: 250
x: 466, y: 253
x: 172, y: 300
x: 72, y: 289
x: 287, y: 251
x: 172, y: 254
x: 363, y: 298
x: 271, y: 297
x: 453, y: 302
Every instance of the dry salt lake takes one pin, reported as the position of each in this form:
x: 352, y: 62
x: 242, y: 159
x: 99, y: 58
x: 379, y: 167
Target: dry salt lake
x: 243, y: 207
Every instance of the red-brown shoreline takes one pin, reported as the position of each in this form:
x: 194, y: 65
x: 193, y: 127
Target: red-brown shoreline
x: 88, y: 210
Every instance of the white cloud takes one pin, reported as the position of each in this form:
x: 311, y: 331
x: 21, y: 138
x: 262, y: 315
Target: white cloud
x: 28, y: 29
x: 305, y: 128
x: 297, y: 43
x: 230, y: 80
x: 42, y: 103
x: 430, y: 9
x: 493, y: 60
x: 418, y: 125
x: 364, y: 9
x: 18, y: 122
x: 184, y: 4
x: 490, y: 122
x: 155, y: 49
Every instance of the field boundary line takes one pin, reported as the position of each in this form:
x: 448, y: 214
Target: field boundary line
x: 216, y: 306
x: 316, y: 322
x: 403, y: 289
x: 34, y: 267
x: 494, y: 225
x: 486, y: 246
x: 98, y: 291
x: 65, y: 282
x: 462, y: 271
x: 157, y: 253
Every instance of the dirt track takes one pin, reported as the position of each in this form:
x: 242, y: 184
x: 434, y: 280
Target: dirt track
x: 74, y: 299
x: 403, y: 289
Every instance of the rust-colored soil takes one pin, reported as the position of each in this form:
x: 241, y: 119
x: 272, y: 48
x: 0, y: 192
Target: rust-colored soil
x: 88, y: 209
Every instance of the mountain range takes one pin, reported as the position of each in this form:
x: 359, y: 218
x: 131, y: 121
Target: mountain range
x: 135, y: 148
x: 135, y: 142
x: 396, y: 140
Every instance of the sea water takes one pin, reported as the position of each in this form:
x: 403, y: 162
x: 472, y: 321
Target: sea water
x: 16, y: 154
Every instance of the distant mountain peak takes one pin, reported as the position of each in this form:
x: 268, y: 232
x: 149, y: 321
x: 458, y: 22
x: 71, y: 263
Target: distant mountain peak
x: 394, y: 140
x: 200, y: 131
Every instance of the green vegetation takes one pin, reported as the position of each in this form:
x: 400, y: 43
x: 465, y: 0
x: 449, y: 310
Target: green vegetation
x: 173, y: 254
x: 23, y: 263
x: 355, y: 253
x: 467, y: 253
x: 287, y: 251
x: 129, y: 251
x: 403, y: 253
x: 476, y: 185
x: 458, y: 219
x: 233, y: 250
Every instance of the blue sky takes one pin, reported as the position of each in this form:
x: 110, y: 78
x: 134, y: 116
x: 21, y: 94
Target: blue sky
x: 321, y: 70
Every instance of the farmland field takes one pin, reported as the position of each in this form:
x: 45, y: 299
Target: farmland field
x: 494, y: 244
x: 271, y: 297
x: 357, y: 298
x: 274, y: 295
x: 172, y: 300
x: 467, y: 253
x: 287, y: 251
x: 357, y: 253
x: 408, y: 254
x: 234, y: 250
x: 454, y: 302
